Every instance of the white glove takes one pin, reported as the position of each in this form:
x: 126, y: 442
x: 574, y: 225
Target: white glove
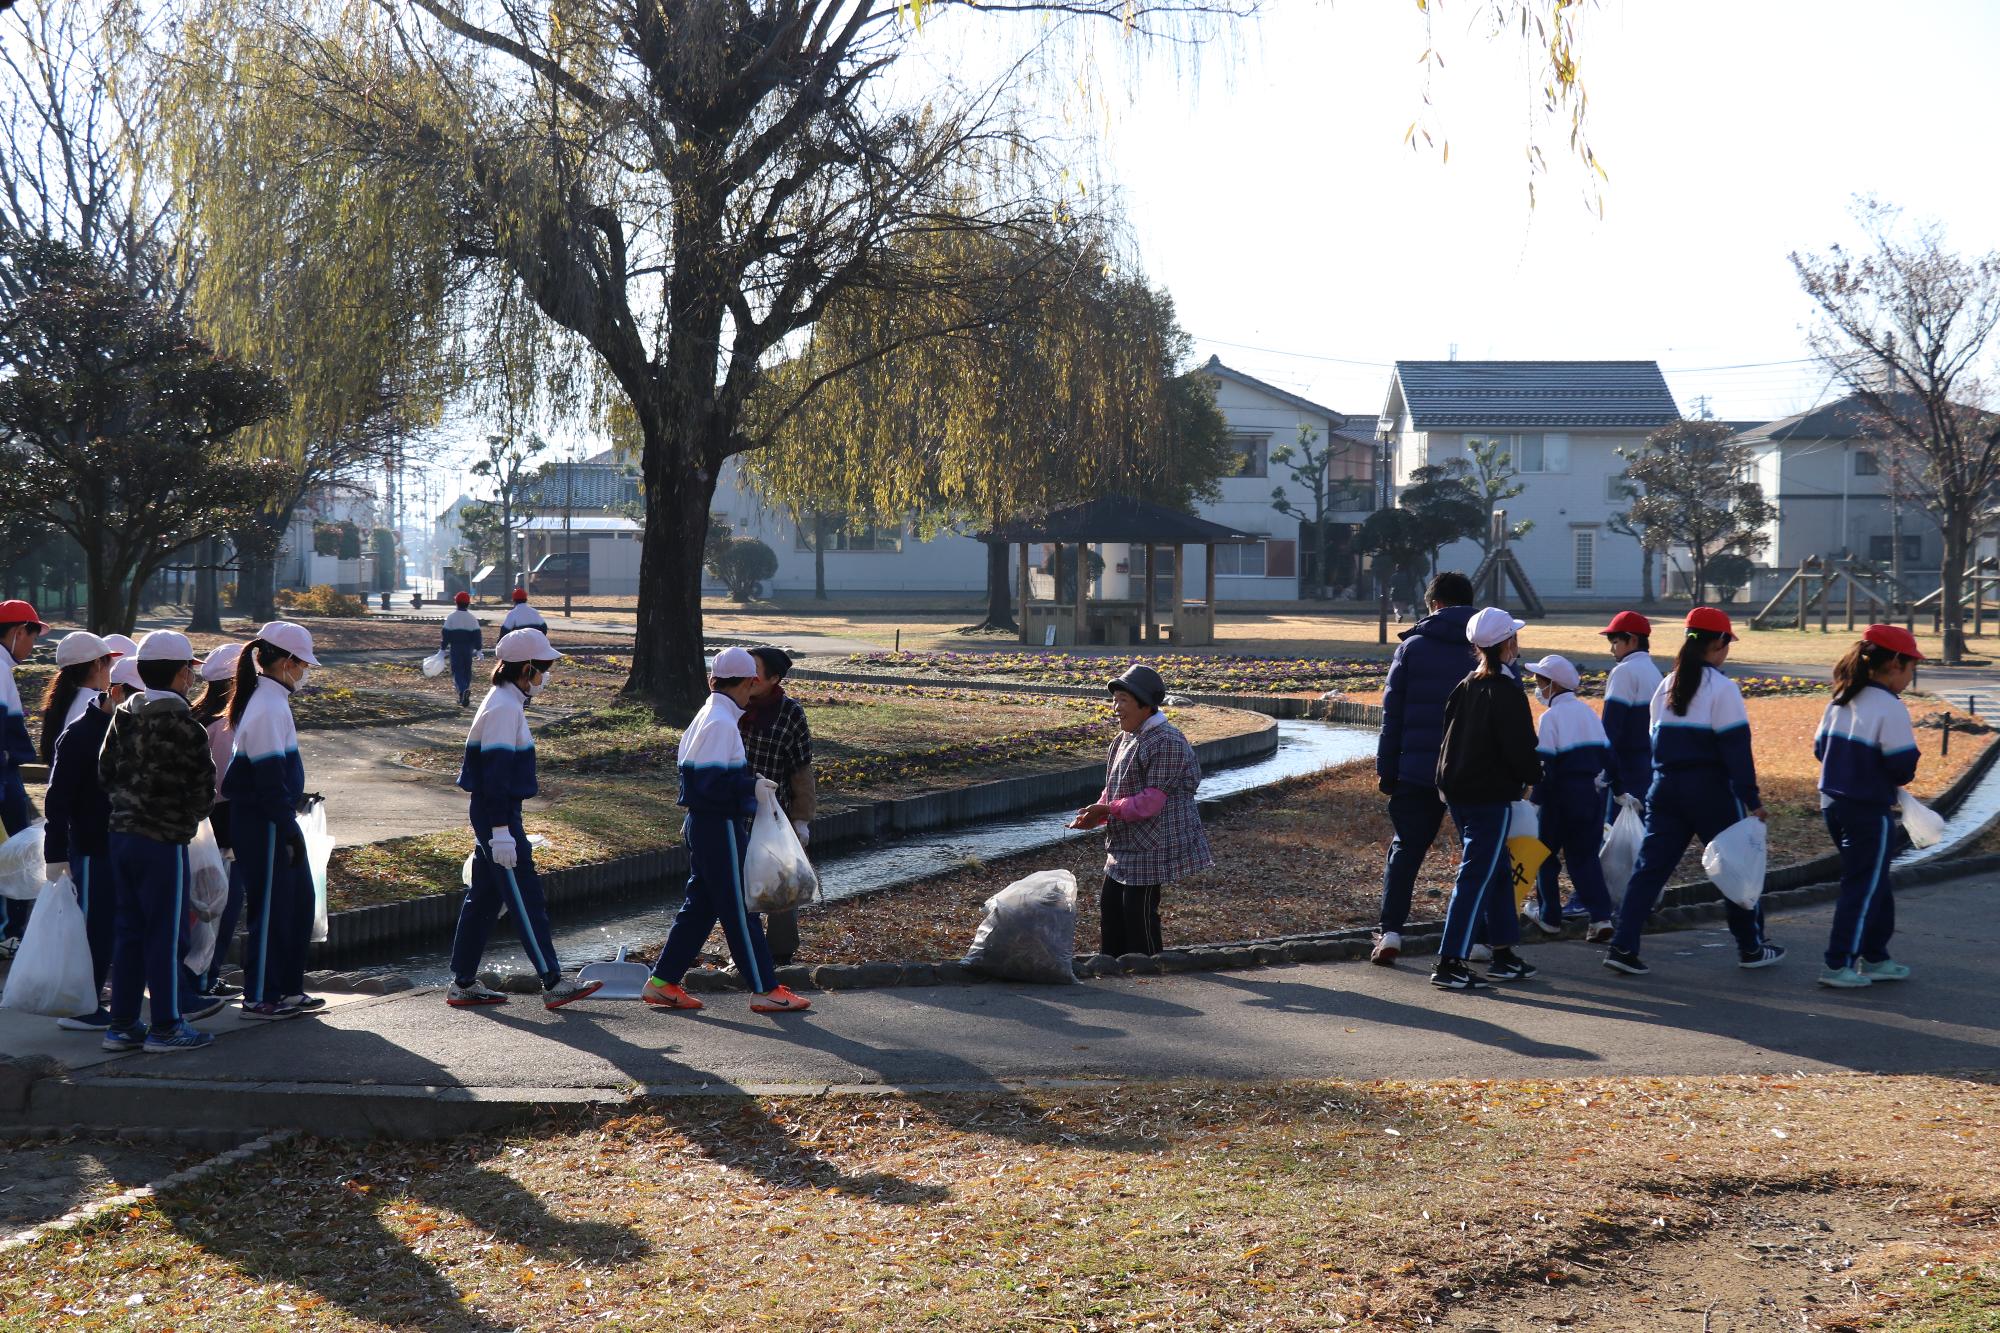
x: 501, y: 848
x: 55, y: 870
x: 1629, y: 801
x: 804, y: 830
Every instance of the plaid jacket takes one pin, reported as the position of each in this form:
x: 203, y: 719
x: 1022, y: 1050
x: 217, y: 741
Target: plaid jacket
x: 781, y: 749
x: 1171, y: 844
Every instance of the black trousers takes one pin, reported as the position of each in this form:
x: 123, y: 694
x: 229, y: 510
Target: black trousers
x: 1128, y: 918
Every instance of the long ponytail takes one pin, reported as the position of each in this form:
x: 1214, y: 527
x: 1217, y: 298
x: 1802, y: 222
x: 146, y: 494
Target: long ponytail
x: 1853, y: 672
x: 215, y: 698
x: 56, y: 701
x: 256, y: 653
x: 1690, y: 665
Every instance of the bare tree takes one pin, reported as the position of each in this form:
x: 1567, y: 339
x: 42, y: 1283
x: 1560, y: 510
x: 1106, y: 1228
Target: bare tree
x: 1907, y: 325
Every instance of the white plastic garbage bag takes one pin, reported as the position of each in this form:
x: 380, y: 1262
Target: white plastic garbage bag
x: 1620, y: 849
x: 1924, y: 825
x: 777, y: 876
x: 208, y: 894
x: 1525, y: 821
x: 21, y: 867
x: 1735, y: 861
x: 51, y: 974
x: 435, y: 664
x: 319, y: 851
x: 1029, y: 933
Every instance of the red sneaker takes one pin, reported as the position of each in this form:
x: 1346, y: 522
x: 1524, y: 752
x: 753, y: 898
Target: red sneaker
x: 666, y: 995
x: 780, y: 1000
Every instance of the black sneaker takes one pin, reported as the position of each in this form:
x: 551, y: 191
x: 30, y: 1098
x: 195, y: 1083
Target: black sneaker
x: 1762, y: 956
x: 1510, y: 966
x: 1629, y: 963
x: 224, y: 990
x: 1453, y: 974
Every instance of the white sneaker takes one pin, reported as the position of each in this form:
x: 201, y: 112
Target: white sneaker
x: 1388, y: 947
x: 473, y: 996
x: 1600, y: 932
x: 1481, y: 953
x: 1532, y: 910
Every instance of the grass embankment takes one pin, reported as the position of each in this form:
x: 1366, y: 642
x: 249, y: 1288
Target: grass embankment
x: 1602, y: 1204
x: 1307, y: 856
x: 608, y: 780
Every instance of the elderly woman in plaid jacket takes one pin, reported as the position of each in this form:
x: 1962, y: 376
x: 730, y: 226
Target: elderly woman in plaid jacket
x: 1152, y: 830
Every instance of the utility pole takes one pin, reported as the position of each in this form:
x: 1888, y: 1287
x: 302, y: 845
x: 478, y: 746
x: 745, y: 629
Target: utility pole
x: 1388, y: 428
x: 569, y: 503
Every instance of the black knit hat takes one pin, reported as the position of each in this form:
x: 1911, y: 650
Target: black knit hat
x: 1142, y: 683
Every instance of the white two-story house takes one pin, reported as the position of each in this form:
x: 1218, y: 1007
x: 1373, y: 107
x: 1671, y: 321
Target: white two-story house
x: 1562, y: 424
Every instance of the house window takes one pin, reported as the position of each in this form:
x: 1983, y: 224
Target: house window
x: 1618, y: 489
x: 1534, y: 452
x: 1281, y: 560
x: 1240, y: 560
x: 1586, y: 558
x: 1882, y: 550
x: 1866, y: 464
x: 855, y: 537
x: 1256, y: 455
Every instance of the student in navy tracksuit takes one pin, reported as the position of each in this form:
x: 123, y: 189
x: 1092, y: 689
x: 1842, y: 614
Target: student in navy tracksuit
x: 1487, y: 762
x: 1628, y: 722
x: 522, y: 616
x: 1868, y: 754
x: 266, y: 789
x: 160, y: 783
x: 75, y: 715
x: 218, y: 674
x: 1571, y: 799
x: 499, y: 772
x: 719, y: 793
x: 1431, y: 660
x: 460, y: 638
x: 19, y: 628
x: 1704, y: 780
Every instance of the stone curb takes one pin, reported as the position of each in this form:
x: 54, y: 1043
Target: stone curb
x: 359, y: 932
x: 1287, y: 706
x: 90, y: 1212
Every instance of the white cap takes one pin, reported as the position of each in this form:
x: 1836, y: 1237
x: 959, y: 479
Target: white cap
x: 220, y: 664
x: 733, y: 663
x: 122, y: 643
x: 1492, y: 626
x: 294, y: 639
x: 1558, y: 669
x: 125, y: 671
x: 80, y: 646
x: 166, y: 645
x: 525, y: 645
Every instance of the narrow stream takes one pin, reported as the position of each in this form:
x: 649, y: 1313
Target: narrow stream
x: 598, y: 931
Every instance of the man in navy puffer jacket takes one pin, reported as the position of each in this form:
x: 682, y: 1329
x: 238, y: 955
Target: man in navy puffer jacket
x: 1433, y: 658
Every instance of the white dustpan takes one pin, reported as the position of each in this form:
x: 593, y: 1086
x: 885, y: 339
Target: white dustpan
x: 622, y: 980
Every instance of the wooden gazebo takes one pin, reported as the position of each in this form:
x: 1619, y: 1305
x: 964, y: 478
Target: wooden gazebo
x: 1116, y: 521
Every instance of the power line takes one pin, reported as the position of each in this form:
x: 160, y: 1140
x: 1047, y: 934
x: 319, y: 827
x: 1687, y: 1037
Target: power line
x: 1390, y: 365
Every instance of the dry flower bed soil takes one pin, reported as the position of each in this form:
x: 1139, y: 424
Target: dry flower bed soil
x: 1307, y: 856
x: 1869, y: 1202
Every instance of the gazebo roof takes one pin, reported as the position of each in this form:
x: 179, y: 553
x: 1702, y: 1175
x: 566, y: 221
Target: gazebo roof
x: 1116, y: 519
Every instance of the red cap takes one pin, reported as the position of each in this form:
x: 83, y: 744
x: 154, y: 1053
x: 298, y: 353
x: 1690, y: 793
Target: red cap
x: 1895, y: 638
x: 20, y: 613
x: 462, y: 598
x: 1629, y: 622
x: 1712, y: 620
x: 520, y: 594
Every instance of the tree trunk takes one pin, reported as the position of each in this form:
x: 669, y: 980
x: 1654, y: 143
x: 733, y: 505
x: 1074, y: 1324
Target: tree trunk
x: 668, y: 670
x: 819, y: 556
x: 999, y: 594
x: 1952, y: 580
x: 101, y: 587
x: 207, y: 618
x: 1645, y: 576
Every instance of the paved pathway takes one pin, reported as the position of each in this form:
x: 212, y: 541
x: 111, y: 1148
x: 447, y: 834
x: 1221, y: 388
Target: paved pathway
x: 1697, y: 1014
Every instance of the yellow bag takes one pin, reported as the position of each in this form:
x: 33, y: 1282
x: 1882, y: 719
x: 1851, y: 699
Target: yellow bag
x: 1527, y: 854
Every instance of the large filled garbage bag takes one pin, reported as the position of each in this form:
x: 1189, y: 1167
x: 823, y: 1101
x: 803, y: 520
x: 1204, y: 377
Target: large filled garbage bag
x: 208, y: 894
x: 435, y: 664
x: 21, y: 868
x: 1735, y: 861
x: 777, y: 877
x: 1029, y: 933
x: 51, y: 973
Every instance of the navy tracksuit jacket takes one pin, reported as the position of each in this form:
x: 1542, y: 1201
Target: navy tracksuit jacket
x: 1868, y: 753
x: 499, y: 774
x: 264, y: 785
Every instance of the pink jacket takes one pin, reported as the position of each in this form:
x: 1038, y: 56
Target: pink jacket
x: 220, y: 737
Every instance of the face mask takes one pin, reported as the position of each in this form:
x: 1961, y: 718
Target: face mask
x: 1544, y: 693
x: 529, y: 684
x: 300, y: 683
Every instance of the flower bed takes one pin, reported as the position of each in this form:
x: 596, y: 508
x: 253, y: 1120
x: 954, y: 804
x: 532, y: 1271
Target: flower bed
x: 1219, y: 673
